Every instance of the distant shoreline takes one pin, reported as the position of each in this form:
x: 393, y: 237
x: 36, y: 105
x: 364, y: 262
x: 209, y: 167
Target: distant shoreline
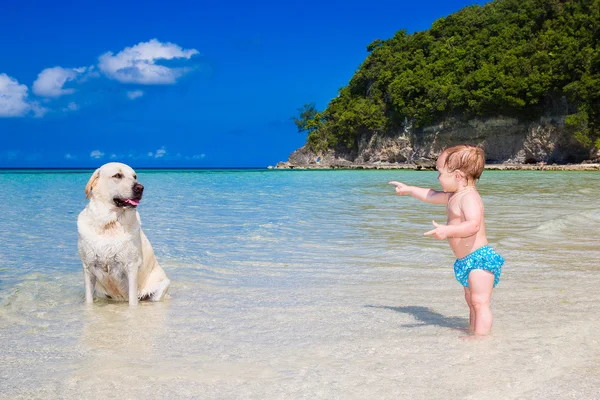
x: 317, y: 167
x: 77, y: 170
x: 430, y: 167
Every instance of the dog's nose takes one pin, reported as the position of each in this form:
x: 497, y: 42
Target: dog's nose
x: 138, y: 189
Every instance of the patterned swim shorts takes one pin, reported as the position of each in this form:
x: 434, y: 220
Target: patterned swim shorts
x: 483, y: 258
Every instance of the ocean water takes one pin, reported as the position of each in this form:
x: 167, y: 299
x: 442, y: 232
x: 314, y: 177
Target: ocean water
x: 303, y: 285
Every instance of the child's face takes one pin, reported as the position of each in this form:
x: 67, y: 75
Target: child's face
x: 448, y: 179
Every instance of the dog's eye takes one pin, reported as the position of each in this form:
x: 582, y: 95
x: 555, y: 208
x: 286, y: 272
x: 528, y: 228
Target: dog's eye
x: 118, y: 175
x: 135, y: 177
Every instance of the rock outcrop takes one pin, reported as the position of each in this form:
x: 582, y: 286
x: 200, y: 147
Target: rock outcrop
x: 505, y: 141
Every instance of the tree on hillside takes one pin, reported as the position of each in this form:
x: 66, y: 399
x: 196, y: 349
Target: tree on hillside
x: 308, y: 119
x: 508, y: 57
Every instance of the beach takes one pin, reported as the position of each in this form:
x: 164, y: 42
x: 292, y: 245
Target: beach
x: 303, y: 285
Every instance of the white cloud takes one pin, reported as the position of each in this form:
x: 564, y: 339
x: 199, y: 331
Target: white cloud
x: 134, y: 94
x: 198, y: 156
x: 86, y: 73
x: 69, y: 156
x: 150, y: 154
x: 160, y: 153
x: 13, y: 99
x: 113, y: 156
x: 137, y: 64
x: 72, y: 106
x: 96, y: 154
x: 50, y: 81
x: 38, y: 111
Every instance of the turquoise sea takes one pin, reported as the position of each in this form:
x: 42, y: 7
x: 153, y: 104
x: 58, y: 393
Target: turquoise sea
x: 303, y: 285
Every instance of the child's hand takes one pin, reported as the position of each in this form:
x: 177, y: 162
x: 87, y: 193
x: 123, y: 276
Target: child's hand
x: 440, y: 232
x: 401, y: 188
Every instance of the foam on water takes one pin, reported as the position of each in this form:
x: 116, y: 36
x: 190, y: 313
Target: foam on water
x: 290, y: 284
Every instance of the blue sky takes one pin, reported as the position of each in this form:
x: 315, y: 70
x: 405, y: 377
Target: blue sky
x: 179, y: 83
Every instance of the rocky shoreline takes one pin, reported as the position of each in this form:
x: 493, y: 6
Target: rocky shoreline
x: 431, y: 166
x: 543, y: 144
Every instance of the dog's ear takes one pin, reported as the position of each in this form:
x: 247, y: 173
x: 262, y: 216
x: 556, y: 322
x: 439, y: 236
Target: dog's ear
x: 92, y: 183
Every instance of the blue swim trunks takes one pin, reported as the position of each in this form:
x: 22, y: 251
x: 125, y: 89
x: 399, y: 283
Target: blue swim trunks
x: 483, y: 258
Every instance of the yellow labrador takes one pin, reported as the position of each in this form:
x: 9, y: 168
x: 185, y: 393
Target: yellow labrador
x: 118, y: 260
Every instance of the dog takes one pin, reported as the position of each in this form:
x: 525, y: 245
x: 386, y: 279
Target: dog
x: 118, y: 260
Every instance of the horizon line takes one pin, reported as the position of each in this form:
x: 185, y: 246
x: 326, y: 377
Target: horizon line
x: 136, y: 168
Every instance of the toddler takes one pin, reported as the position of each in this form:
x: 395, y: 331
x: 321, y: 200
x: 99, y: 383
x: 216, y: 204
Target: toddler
x: 478, y: 266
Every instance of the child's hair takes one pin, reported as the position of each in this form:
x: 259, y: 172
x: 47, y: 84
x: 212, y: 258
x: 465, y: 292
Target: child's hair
x: 468, y: 159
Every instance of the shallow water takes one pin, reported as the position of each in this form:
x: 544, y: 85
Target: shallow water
x: 303, y: 284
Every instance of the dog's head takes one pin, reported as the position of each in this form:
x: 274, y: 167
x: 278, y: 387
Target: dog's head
x: 115, y: 184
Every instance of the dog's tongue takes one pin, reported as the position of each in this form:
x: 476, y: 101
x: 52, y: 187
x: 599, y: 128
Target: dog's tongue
x: 132, y: 202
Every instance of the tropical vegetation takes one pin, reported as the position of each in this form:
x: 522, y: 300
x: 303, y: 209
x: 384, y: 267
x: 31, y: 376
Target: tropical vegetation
x: 509, y: 57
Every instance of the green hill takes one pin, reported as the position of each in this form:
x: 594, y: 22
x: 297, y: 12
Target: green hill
x: 513, y: 58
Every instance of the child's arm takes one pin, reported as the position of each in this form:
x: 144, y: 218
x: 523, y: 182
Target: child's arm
x: 423, y: 194
x: 471, y: 209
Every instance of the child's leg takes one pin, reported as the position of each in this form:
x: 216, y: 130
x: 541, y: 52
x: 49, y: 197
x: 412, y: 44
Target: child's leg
x: 471, y: 310
x: 481, y: 283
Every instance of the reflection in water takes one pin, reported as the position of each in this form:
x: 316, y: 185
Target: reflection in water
x: 118, y: 332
